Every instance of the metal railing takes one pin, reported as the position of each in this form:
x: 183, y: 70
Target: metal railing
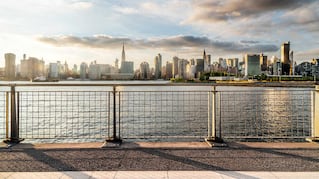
x: 163, y: 114
x: 4, y: 117
x: 265, y: 114
x: 93, y: 112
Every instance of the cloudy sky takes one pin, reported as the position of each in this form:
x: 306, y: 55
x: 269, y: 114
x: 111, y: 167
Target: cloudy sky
x: 87, y: 30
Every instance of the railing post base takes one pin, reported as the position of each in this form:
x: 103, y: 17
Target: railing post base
x: 13, y: 141
x: 215, y: 142
x: 109, y: 143
x: 313, y: 139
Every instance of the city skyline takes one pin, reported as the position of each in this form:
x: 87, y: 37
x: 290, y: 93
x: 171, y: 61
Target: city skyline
x: 83, y: 31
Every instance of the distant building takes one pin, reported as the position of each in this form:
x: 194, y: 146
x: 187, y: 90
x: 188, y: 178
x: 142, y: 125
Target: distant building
x: 31, y: 68
x: 200, y: 65
x: 75, y: 69
x: 83, y: 70
x: 53, y: 70
x: 158, y: 66
x: 182, y: 71
x: 10, y: 72
x: 205, y: 62
x: 252, y: 65
x: 127, y: 68
x: 263, y: 62
x: 169, y: 70
x: 222, y: 62
x: 145, y: 72
x: 94, y: 72
x: 285, y: 49
x: 232, y: 62
x: 123, y: 54
x: 175, y: 66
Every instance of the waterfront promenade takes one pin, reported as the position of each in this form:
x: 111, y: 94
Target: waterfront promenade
x: 161, y: 160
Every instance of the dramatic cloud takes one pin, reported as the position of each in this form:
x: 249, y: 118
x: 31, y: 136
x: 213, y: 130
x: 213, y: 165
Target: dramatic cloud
x: 168, y: 43
x: 225, y: 10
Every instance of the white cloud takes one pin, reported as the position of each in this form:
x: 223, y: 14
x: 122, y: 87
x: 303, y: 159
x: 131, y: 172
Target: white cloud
x: 170, y: 10
x: 81, y: 5
x: 125, y: 10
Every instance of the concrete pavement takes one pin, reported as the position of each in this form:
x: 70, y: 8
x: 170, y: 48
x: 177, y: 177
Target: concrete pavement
x: 161, y: 160
x: 158, y: 174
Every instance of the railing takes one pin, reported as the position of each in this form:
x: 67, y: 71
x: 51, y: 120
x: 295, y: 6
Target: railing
x: 94, y: 112
x: 163, y: 114
x: 4, y: 122
x: 265, y: 114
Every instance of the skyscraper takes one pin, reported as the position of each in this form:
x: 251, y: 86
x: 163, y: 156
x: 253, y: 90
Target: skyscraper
x: 285, y: 48
x: 175, y: 66
x: 144, y: 70
x: 123, y: 54
x: 252, y: 65
x: 127, y: 67
x: 169, y: 70
x: 158, y: 66
x: 10, y: 60
x: 263, y: 62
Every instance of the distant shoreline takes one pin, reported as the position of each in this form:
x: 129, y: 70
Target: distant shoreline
x: 303, y: 84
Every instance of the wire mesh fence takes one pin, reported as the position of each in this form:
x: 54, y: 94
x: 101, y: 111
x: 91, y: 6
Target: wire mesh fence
x: 158, y: 114
x: 65, y: 114
x: 3, y: 115
x: 264, y: 114
x: 163, y: 114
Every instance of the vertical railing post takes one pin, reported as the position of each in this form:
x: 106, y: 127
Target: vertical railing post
x: 7, y: 115
x: 315, y: 120
x: 114, y: 113
x: 14, y: 118
x: 115, y: 140
x: 214, y: 113
x: 212, y: 138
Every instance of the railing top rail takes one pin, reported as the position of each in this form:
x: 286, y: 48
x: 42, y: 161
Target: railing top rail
x: 284, y: 85
x: 107, y: 84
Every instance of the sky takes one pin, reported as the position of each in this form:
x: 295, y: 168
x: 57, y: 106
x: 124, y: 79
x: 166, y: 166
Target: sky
x: 79, y: 31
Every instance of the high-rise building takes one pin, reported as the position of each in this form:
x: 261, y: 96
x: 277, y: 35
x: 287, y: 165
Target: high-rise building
x: 10, y: 60
x: 83, y: 70
x: 158, y: 66
x: 53, y: 70
x: 169, y: 70
x: 117, y: 63
x: 126, y: 66
x: 222, y: 62
x: 144, y: 71
x: 182, y: 71
x: 175, y: 66
x: 252, y: 65
x: 285, y: 49
x: 200, y: 64
x: 31, y: 68
x: 263, y: 62
x: 123, y: 53
x: 94, y: 71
